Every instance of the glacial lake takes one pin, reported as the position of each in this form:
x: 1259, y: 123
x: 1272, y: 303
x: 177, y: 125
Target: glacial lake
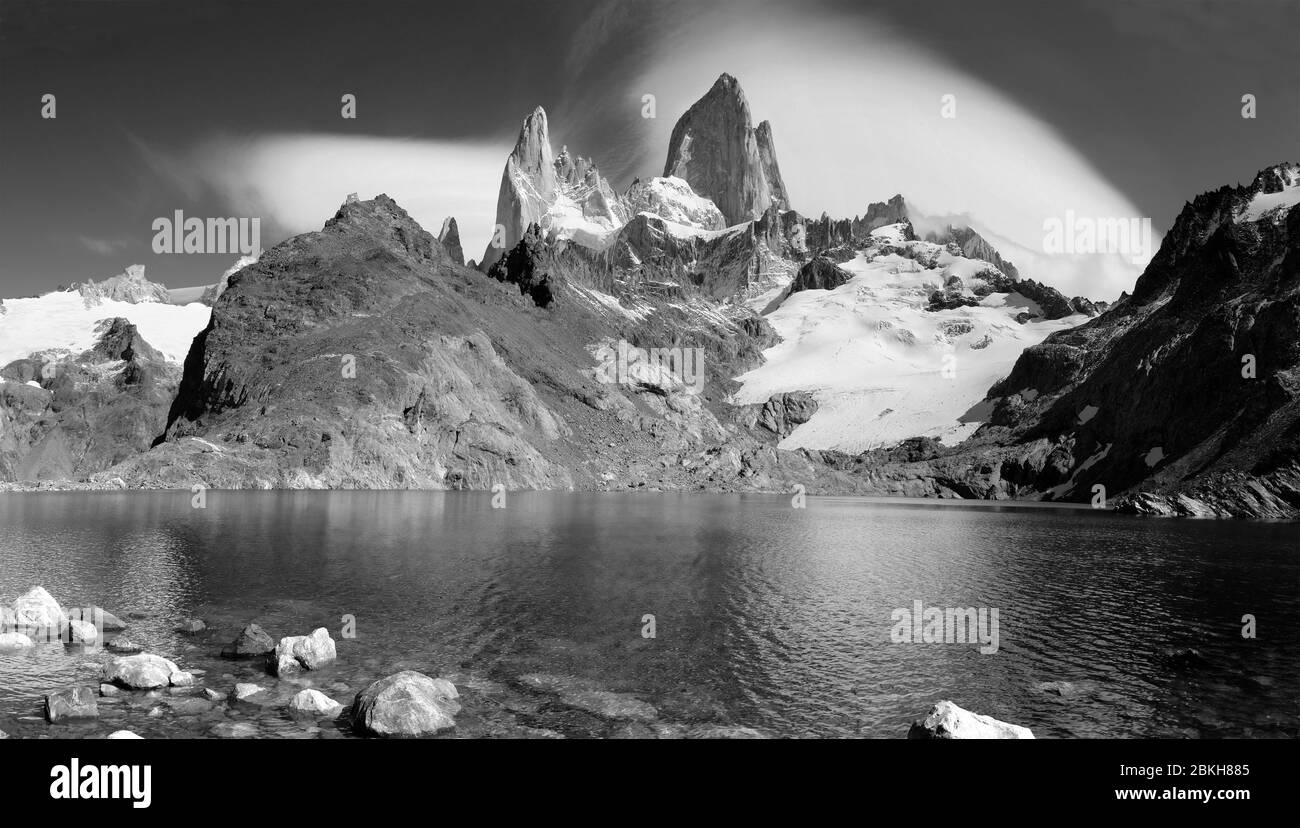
x: 765, y: 616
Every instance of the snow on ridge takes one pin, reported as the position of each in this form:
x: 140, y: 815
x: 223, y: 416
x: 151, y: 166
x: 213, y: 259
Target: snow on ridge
x: 65, y: 323
x: 1264, y: 204
x: 874, y: 358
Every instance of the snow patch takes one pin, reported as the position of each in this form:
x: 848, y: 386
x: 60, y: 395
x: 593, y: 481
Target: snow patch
x: 62, y: 322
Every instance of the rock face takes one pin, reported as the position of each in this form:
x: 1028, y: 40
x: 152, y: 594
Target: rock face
x: 715, y: 148
x: 140, y: 672
x: 406, y: 704
x: 948, y: 721
x: 74, y: 703
x: 303, y: 652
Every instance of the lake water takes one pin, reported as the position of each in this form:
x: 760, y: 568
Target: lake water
x: 766, y: 616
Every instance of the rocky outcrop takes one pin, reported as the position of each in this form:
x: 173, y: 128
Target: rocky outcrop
x: 525, y: 267
x: 715, y: 148
x: 783, y: 413
x: 449, y: 238
x: 564, y: 196
x: 129, y: 286
x: 406, y: 704
x: 948, y: 721
x: 974, y: 246
x: 85, y: 412
x: 1199, y: 363
x: 820, y: 274
x: 673, y: 199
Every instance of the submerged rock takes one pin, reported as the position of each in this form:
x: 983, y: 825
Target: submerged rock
x: 123, y: 645
x: 302, y: 652
x: 406, y: 704
x: 140, y: 672
x: 100, y: 617
x: 74, y: 703
x: 948, y: 721
x: 233, y: 730
x: 191, y: 626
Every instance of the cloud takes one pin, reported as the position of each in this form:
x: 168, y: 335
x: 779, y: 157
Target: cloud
x: 856, y: 115
x: 104, y: 247
x: 295, y: 182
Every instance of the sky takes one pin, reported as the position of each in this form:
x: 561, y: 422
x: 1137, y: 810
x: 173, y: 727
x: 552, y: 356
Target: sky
x: 227, y: 108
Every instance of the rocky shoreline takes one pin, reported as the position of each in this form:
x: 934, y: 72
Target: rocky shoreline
x: 138, y: 688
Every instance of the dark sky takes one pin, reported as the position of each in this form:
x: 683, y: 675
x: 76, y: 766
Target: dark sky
x: 1146, y: 94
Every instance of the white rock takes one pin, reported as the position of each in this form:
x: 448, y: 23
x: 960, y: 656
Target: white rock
x: 180, y: 678
x: 140, y: 672
x: 405, y: 704
x: 244, y: 689
x: 314, y: 703
x: 948, y: 721
x: 299, y: 652
x: 15, y: 641
x: 36, y: 608
x: 124, y: 734
x: 82, y: 632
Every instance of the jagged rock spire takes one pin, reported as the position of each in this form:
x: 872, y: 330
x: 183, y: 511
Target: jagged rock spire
x: 716, y: 149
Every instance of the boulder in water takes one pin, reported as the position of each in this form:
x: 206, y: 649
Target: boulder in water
x: 405, y: 704
x: 948, y: 721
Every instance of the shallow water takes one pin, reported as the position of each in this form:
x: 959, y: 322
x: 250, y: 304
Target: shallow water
x: 766, y: 617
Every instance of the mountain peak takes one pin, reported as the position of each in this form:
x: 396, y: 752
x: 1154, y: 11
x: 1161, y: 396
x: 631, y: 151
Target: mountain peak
x: 716, y: 149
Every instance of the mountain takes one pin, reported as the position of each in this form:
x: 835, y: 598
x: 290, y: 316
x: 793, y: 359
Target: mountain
x: 1185, y: 396
x: 70, y: 416
x: 456, y: 380
x: 715, y: 148
x: 845, y: 355
x: 129, y: 286
x: 563, y: 195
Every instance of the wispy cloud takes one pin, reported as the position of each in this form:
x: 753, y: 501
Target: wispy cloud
x: 295, y: 182
x: 104, y: 247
